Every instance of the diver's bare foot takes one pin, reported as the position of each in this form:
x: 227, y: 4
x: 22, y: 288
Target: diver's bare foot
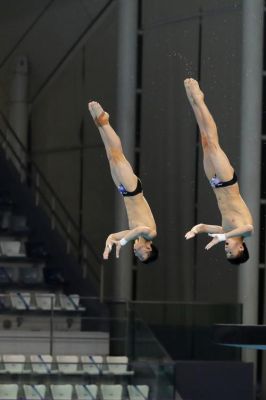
x: 98, y: 114
x: 194, y: 94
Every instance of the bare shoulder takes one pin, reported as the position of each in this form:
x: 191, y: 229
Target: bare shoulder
x: 147, y: 232
x: 150, y: 233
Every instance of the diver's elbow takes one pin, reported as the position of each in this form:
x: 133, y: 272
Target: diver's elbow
x: 250, y: 229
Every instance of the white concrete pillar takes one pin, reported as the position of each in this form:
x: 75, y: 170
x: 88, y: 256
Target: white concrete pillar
x: 126, y: 101
x: 250, y: 151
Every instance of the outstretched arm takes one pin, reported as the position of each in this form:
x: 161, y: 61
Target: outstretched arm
x: 203, y: 228
x: 243, y: 231
x: 120, y: 239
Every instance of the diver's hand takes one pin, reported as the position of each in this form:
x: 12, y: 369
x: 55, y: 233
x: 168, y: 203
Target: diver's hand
x: 194, y: 231
x: 217, y: 238
x: 110, y: 242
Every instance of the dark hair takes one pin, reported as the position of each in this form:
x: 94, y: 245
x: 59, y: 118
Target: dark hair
x: 241, y: 258
x: 154, y: 254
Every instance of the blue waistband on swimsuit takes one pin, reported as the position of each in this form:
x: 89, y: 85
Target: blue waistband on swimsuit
x: 125, y: 193
x: 216, y: 182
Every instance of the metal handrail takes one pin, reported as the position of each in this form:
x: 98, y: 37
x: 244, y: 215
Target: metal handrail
x: 37, y: 184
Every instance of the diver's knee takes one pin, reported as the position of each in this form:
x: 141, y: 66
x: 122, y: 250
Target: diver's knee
x: 211, y: 146
x: 115, y: 155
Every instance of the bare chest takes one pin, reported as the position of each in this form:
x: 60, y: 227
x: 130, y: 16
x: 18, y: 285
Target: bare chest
x: 138, y: 212
x: 233, y: 209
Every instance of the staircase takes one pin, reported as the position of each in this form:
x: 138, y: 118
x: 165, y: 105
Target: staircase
x: 32, y: 211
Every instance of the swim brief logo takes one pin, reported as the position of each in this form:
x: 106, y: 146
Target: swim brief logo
x: 122, y: 189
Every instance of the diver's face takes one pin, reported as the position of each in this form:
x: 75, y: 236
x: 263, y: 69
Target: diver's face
x: 142, y: 250
x: 233, y: 247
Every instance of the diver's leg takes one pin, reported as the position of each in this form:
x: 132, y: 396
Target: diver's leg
x: 215, y: 160
x: 121, y: 170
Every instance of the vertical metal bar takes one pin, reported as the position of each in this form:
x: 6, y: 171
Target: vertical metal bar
x: 52, y: 327
x: 68, y: 244
x: 84, y: 257
x: 127, y: 335
x: 81, y: 168
x: 5, y: 144
x: 102, y: 283
x: 53, y: 213
x: 22, y: 171
x: 37, y: 185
